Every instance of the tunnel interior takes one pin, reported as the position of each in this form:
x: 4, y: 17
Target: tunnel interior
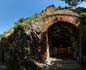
x: 61, y: 36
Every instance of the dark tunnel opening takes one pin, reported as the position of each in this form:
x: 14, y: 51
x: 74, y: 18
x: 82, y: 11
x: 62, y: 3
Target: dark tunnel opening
x: 61, y: 39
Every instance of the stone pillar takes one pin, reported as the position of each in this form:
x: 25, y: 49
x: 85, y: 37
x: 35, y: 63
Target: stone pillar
x: 44, y: 47
x: 47, y: 48
x: 46, y: 54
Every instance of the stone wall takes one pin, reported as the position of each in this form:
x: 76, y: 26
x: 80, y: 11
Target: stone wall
x: 35, y: 37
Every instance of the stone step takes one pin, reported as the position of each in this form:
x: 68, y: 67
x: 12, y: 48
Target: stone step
x: 3, y: 67
x: 64, y: 65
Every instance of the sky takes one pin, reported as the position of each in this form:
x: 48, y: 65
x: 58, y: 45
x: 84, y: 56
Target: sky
x: 13, y: 10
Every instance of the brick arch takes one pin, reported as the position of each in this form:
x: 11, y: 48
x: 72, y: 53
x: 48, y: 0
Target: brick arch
x: 60, y: 18
x: 51, y: 21
x: 44, y: 35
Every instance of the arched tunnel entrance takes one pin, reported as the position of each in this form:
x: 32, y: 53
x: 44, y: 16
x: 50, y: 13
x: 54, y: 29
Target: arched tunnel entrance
x: 62, y: 40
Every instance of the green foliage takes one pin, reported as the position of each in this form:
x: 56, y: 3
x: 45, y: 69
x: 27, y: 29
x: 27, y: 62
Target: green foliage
x: 72, y: 2
x: 83, y: 18
x: 23, y: 21
x: 19, y: 24
x: 2, y: 35
x: 83, y: 14
x: 29, y: 19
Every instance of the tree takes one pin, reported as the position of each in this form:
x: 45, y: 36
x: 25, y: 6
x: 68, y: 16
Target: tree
x: 73, y: 2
